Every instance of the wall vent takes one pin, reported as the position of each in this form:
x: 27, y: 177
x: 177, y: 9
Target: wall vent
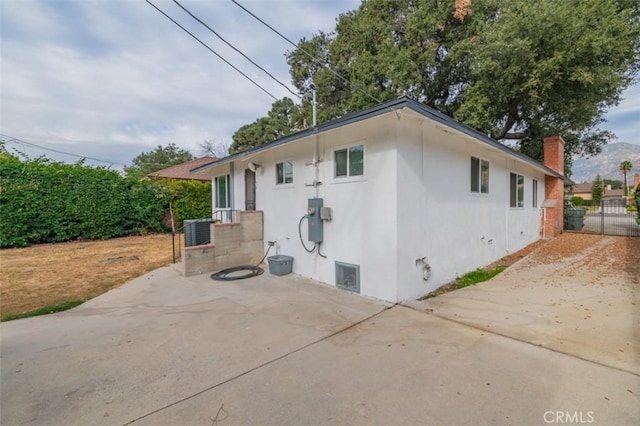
x: 348, y: 276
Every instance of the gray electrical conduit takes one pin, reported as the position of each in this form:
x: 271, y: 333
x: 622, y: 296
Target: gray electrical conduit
x: 315, y: 245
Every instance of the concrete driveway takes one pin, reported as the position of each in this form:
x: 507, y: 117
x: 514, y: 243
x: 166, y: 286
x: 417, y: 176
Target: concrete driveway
x: 167, y: 350
x: 578, y: 294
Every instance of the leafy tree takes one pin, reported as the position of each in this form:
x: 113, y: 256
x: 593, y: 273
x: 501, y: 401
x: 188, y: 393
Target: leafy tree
x: 157, y: 159
x: 625, y: 167
x: 517, y: 70
x: 283, y: 118
x: 637, y: 196
x: 597, y: 190
x: 577, y: 201
x: 190, y: 199
x: 615, y: 184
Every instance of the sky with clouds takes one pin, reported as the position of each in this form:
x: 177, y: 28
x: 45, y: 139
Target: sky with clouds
x: 110, y: 79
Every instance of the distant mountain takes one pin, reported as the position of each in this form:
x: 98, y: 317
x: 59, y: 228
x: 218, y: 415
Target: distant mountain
x: 607, y: 163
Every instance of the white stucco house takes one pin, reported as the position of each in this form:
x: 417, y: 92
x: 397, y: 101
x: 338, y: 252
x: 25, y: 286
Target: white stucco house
x: 415, y: 198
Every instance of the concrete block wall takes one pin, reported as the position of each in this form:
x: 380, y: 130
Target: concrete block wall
x: 232, y: 244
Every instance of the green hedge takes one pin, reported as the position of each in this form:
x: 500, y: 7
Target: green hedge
x: 42, y: 201
x: 190, y: 199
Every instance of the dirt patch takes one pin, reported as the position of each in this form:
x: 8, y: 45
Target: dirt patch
x: 47, y: 274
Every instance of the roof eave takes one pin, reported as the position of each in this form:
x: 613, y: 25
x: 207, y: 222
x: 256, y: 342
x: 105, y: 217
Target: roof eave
x: 391, y: 106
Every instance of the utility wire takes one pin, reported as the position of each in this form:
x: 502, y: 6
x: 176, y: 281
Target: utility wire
x: 236, y: 49
x: 315, y: 59
x: 11, y: 139
x: 211, y: 50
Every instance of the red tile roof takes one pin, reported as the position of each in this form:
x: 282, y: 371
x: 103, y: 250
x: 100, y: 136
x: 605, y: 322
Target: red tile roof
x: 581, y: 188
x: 183, y: 171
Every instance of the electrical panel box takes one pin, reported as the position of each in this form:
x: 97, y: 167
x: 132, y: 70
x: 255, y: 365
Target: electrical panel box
x: 314, y: 220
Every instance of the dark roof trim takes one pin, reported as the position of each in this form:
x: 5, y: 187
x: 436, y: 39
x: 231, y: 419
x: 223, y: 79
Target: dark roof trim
x: 391, y: 106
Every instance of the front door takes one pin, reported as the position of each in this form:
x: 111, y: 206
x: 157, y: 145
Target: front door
x: 249, y: 190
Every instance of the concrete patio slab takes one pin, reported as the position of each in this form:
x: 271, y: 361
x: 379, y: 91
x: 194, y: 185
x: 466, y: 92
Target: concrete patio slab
x: 157, y: 339
x: 169, y: 350
x: 403, y: 367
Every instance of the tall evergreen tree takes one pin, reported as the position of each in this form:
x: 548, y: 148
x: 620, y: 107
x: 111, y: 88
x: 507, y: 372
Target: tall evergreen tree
x: 597, y: 189
x: 517, y: 69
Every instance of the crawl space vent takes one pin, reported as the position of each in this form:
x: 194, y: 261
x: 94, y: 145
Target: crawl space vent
x: 348, y: 276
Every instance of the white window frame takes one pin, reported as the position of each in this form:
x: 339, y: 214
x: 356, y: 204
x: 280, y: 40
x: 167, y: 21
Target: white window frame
x: 349, y: 176
x: 284, y: 175
x: 534, y: 200
x: 227, y: 179
x: 519, y: 195
x: 482, y: 185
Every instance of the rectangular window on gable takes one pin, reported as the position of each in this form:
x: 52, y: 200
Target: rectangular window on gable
x: 535, y: 194
x: 284, y: 172
x: 479, y: 175
x: 349, y: 161
x: 516, y: 190
x: 222, y: 192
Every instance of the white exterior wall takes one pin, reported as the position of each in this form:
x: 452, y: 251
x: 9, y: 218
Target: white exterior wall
x: 414, y: 201
x: 364, y: 226
x: 439, y: 218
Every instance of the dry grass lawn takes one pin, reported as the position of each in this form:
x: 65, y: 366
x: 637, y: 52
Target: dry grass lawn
x: 48, y: 274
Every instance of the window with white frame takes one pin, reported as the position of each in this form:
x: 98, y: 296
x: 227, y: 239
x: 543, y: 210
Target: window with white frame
x: 223, y: 200
x: 535, y: 194
x: 349, y: 161
x: 284, y: 172
x: 479, y: 175
x: 516, y: 190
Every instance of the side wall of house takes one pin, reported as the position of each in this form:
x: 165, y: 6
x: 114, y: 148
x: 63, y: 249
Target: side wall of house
x: 363, y: 228
x: 441, y: 220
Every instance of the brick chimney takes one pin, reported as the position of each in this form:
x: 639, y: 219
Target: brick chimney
x: 554, y: 187
x: 636, y: 181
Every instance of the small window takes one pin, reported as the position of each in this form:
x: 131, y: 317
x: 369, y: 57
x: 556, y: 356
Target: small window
x: 516, y: 190
x: 535, y: 194
x: 222, y: 192
x: 349, y: 161
x: 284, y: 172
x: 479, y: 175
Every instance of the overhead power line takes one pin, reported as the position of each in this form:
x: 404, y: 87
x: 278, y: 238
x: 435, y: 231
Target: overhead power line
x: 211, y: 50
x: 236, y: 49
x: 11, y: 139
x: 315, y: 59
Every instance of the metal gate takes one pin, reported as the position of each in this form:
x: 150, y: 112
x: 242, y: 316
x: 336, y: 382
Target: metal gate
x: 611, y: 217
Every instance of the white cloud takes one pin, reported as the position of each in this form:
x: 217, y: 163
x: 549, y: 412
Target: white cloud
x: 624, y: 119
x: 118, y: 73
x: 116, y: 78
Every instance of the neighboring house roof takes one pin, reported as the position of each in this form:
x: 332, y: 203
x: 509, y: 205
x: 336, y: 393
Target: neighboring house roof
x: 396, y: 106
x: 582, y: 187
x: 613, y: 193
x: 184, y: 170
